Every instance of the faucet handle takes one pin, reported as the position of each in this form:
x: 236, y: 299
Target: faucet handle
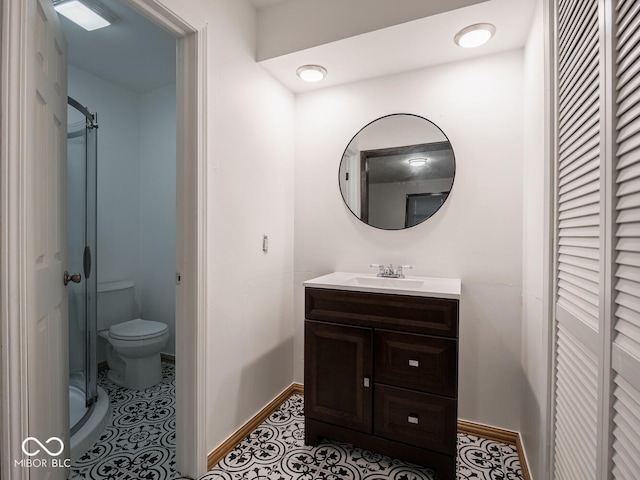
x: 379, y: 266
x: 399, y: 270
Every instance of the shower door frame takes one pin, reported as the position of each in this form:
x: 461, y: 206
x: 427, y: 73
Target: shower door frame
x: 191, y: 235
x: 88, y: 280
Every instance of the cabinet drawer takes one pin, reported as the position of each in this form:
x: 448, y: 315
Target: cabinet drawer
x: 420, y: 419
x: 435, y: 316
x: 415, y: 361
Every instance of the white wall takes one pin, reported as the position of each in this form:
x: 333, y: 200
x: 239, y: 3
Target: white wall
x: 136, y: 191
x: 157, y: 210
x: 476, y: 236
x: 534, y: 321
x: 118, y: 172
x: 250, y: 141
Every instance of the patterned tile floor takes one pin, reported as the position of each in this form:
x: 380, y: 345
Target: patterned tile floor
x: 276, y: 451
x: 139, y: 443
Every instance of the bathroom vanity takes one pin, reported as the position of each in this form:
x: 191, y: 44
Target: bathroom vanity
x: 381, y: 366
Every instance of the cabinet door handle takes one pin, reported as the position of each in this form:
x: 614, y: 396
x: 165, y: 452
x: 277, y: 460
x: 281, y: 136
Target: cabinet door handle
x: 366, y: 382
x: 412, y: 419
x: 414, y: 363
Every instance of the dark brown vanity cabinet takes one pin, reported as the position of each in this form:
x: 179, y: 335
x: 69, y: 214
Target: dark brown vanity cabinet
x: 381, y: 372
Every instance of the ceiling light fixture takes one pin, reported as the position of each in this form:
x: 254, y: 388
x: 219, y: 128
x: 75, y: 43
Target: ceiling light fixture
x: 418, y: 162
x: 475, y: 35
x: 89, y: 14
x: 311, y: 73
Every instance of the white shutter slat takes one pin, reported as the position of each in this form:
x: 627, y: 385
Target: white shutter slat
x: 628, y: 38
x: 574, y: 35
x: 579, y: 221
x: 577, y: 112
x: 627, y: 11
x: 627, y: 86
x: 591, y: 149
x: 628, y: 112
x: 629, y: 159
x: 626, y: 189
x: 581, y: 252
x: 630, y: 258
x: 580, y: 273
x: 587, y: 210
x: 568, y: 175
x: 626, y: 424
x: 582, y: 62
x: 577, y: 279
x: 632, y: 216
x: 630, y: 173
x: 590, y: 178
x: 577, y: 131
x: 582, y: 92
x: 576, y: 408
x: 628, y: 272
x: 578, y: 241
x: 583, y: 262
x: 631, y: 143
x: 628, y: 245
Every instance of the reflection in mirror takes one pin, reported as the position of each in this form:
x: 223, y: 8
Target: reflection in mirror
x: 397, y: 171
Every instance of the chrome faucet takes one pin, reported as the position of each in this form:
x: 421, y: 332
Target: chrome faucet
x: 390, y: 272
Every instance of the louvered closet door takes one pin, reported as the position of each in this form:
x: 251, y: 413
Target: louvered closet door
x: 578, y: 239
x: 626, y: 318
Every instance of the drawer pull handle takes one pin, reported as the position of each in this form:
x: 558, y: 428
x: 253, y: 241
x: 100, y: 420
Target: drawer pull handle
x: 412, y: 419
x: 414, y: 363
x: 366, y: 382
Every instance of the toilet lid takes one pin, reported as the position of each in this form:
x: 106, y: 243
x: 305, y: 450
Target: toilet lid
x: 137, y: 329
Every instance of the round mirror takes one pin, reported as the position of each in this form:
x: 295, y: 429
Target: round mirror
x: 397, y: 171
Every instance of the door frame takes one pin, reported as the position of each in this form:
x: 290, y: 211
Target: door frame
x: 191, y: 232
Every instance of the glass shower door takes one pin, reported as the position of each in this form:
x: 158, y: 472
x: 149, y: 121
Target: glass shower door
x: 81, y: 248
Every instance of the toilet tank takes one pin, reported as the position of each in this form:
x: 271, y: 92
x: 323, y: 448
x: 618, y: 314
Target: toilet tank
x: 116, y: 303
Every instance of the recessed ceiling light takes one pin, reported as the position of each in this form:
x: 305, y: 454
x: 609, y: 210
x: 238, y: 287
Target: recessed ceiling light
x: 311, y: 73
x: 475, y: 35
x: 418, y: 162
x: 89, y: 14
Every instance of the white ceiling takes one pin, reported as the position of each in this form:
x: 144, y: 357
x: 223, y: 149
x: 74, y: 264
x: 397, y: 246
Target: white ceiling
x: 409, y: 46
x: 133, y: 53
x: 140, y: 56
x: 258, y: 4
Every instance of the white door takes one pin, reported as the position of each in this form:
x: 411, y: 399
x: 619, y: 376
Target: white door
x: 47, y: 356
x: 580, y: 243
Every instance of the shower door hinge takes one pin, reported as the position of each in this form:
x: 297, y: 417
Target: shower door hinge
x: 178, y: 278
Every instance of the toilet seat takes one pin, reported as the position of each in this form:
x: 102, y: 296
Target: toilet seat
x: 137, y: 329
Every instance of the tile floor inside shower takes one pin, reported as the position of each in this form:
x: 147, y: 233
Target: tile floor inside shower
x: 139, y: 443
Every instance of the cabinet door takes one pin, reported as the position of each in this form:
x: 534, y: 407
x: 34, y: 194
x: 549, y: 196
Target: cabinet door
x: 337, y: 374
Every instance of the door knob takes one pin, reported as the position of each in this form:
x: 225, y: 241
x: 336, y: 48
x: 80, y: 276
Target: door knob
x: 75, y: 278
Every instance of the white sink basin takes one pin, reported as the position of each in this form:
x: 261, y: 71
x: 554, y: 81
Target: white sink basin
x: 385, y: 282
x: 417, y: 286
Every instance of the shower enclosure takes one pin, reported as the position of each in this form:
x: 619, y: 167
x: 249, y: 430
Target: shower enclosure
x: 86, y: 419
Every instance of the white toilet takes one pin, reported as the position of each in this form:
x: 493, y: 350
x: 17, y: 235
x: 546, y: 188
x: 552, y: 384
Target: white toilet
x: 134, y: 344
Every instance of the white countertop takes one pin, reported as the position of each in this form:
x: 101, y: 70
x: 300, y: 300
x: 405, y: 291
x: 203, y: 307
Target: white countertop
x: 363, y: 282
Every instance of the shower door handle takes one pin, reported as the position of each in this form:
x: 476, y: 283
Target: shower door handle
x: 86, y: 262
x: 75, y: 278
